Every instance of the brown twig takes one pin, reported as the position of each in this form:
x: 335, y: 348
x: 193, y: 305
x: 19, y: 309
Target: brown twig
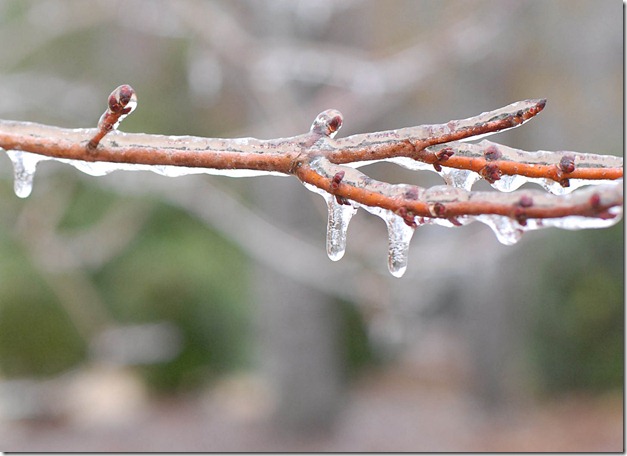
x: 435, y: 145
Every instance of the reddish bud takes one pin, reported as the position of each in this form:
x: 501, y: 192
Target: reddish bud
x: 520, y: 216
x: 490, y: 172
x: 337, y: 179
x: 327, y: 123
x: 438, y: 210
x: 411, y: 193
x: 407, y: 216
x: 444, y: 154
x: 525, y: 201
x: 595, y: 200
x: 567, y: 164
x: 342, y: 200
x: 437, y: 167
x: 492, y: 153
x: 120, y: 98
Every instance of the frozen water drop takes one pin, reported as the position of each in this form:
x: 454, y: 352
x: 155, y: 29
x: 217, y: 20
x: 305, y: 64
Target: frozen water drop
x: 24, y: 167
x: 399, y: 236
x: 339, y: 217
x: 508, y: 231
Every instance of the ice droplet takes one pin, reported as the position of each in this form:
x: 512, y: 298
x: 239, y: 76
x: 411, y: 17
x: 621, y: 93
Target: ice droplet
x: 507, y: 230
x: 399, y: 236
x: 24, y: 167
x: 339, y: 216
x: 337, y: 225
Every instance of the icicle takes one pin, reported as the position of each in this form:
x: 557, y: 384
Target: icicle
x: 24, y: 167
x: 337, y: 225
x: 339, y: 216
x: 399, y: 236
x: 507, y: 230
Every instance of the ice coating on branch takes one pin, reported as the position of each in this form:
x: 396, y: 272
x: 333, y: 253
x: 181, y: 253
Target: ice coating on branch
x: 98, y: 169
x: 24, y: 167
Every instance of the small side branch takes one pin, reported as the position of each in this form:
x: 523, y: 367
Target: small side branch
x: 122, y: 102
x: 446, y: 202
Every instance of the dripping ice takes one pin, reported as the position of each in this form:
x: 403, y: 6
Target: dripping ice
x: 339, y: 216
x: 337, y: 226
x: 399, y: 237
x: 24, y: 167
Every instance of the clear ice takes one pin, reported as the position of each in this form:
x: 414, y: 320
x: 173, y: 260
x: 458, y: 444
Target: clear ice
x: 337, y: 225
x: 339, y: 216
x: 507, y: 230
x: 24, y: 167
x: 399, y: 236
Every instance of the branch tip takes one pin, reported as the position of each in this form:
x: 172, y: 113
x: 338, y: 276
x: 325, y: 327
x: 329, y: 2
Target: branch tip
x: 327, y: 123
x: 121, y: 102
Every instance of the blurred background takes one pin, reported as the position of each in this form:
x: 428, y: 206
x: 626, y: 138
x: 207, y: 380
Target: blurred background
x: 201, y: 313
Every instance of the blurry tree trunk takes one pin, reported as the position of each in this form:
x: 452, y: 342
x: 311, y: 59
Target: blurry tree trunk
x: 494, y: 304
x: 298, y: 331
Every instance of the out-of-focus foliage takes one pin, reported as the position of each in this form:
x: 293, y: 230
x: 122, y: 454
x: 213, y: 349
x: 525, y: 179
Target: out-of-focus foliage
x: 577, y: 326
x: 179, y: 271
x: 36, y: 336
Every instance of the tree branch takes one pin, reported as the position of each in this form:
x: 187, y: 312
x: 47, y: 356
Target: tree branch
x: 322, y: 164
